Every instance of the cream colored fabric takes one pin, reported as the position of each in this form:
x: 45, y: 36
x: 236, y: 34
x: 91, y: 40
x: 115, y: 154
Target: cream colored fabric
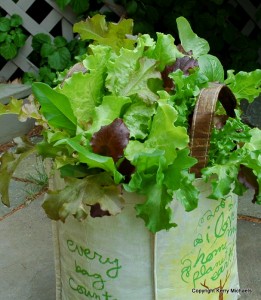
x: 199, y: 256
x: 116, y: 258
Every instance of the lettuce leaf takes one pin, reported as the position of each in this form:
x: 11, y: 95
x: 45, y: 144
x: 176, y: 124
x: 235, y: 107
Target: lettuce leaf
x: 55, y: 107
x: 80, y: 194
x: 155, y: 211
x: 226, y: 158
x: 129, y: 76
x: 189, y: 40
x: 148, y: 180
x: 225, y: 140
x: 187, y: 194
x: 165, y: 51
x: 244, y: 85
x: 211, y: 67
x: 187, y: 88
x: 164, y: 135
x: 113, y: 35
x: 110, y: 109
x: 222, y: 183
x: 111, y: 140
x: 152, y: 176
x: 177, y: 178
x: 92, y: 160
x: 138, y: 118
x: 85, y: 91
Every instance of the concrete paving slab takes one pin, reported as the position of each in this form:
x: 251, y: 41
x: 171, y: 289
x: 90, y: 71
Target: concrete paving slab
x: 249, y: 258
x: 27, y: 259
x: 11, y: 127
x: 247, y: 208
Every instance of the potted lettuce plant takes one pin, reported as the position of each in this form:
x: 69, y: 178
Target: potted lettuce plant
x: 124, y: 123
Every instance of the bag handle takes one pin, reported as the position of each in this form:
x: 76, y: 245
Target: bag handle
x: 202, y: 121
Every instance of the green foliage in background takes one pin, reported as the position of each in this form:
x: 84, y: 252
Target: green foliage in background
x: 12, y: 36
x: 52, y: 57
x: 78, y: 6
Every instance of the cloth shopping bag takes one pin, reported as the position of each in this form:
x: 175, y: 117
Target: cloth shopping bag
x: 116, y: 257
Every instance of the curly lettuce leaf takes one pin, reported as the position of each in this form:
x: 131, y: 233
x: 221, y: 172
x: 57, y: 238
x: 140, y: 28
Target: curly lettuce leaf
x: 156, y: 212
x: 138, y: 118
x: 151, y: 159
x: 225, y: 140
x: 110, y: 109
x: 85, y: 91
x: 110, y: 34
x: 148, y: 180
x: 163, y: 136
x: 165, y: 51
x: 183, y: 161
x: 179, y: 182
x: 129, y: 74
x: 187, y: 194
x: 120, y: 69
x: 187, y: 88
x: 227, y: 157
x: 80, y: 194
x: 160, y: 183
x: 222, y: 183
x: 244, y: 85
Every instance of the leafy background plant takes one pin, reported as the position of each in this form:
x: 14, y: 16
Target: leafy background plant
x: 53, y: 56
x: 78, y: 6
x: 12, y: 36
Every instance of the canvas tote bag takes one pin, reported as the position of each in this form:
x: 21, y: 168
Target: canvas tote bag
x: 117, y: 258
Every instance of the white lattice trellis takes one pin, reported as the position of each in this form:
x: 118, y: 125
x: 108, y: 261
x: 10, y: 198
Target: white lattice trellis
x: 251, y: 11
x: 66, y: 17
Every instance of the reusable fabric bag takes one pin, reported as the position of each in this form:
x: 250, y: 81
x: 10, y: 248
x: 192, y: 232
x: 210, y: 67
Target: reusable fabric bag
x: 117, y: 258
